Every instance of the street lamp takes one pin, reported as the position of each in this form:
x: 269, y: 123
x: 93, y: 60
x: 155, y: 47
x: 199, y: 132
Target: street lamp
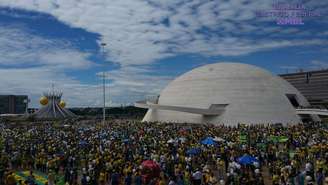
x: 26, y: 101
x: 104, y: 90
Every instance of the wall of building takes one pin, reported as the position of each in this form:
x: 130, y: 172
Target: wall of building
x: 13, y: 104
x: 312, y: 84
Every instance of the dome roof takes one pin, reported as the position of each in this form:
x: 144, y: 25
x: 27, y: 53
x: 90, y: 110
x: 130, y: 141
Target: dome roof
x: 252, y: 95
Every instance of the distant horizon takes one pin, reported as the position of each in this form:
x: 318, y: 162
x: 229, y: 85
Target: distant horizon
x: 296, y: 71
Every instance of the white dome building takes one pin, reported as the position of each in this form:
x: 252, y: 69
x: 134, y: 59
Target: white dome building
x: 228, y: 93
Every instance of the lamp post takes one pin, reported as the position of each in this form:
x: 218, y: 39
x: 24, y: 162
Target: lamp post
x: 26, y: 101
x: 104, y: 89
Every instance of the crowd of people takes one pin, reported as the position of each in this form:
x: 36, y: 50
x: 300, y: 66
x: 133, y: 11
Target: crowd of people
x: 130, y: 152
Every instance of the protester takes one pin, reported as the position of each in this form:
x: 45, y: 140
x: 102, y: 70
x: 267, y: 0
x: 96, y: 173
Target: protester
x: 91, y: 153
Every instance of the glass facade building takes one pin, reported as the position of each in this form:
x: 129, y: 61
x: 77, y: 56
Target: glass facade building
x: 13, y: 104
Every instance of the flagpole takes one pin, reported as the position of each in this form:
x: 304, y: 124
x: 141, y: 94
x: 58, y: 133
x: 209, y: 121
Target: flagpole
x: 104, y: 89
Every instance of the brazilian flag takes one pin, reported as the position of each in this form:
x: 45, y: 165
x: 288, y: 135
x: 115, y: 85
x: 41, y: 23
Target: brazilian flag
x: 39, y: 178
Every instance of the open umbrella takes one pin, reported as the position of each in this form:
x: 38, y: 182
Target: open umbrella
x: 61, y: 153
x: 282, y: 139
x: 218, y: 139
x: 83, y: 143
x: 193, y: 151
x: 150, y: 170
x: 208, y: 141
x: 126, y: 141
x: 247, y: 160
x: 171, y: 141
x: 182, y: 139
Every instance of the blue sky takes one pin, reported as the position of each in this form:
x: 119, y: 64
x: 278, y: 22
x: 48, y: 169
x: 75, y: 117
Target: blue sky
x: 149, y: 43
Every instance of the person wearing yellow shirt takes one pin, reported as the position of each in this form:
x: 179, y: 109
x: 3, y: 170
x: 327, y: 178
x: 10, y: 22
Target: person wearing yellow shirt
x: 319, y: 164
x: 102, y: 178
x: 176, y: 170
x: 207, y: 176
x: 10, y: 179
x: 275, y: 179
x: 221, y: 167
x: 186, y: 178
x: 212, y: 179
x: 162, y: 179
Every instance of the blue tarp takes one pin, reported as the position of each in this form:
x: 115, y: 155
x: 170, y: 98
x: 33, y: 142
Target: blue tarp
x: 208, y: 141
x: 247, y: 159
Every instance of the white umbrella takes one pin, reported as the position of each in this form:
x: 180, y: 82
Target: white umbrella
x: 170, y: 141
x: 218, y: 139
x: 182, y: 139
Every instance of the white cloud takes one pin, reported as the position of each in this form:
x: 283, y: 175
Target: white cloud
x: 312, y: 65
x: 136, y: 36
x: 31, y: 63
x: 34, y: 81
x: 134, y: 83
x: 19, y: 47
x: 135, y: 32
x: 317, y: 64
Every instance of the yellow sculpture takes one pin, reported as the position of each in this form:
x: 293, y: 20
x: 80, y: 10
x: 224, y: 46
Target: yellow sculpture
x: 62, y: 104
x: 43, y: 100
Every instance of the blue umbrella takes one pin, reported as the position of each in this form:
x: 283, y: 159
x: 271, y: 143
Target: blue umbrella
x: 61, y: 153
x: 247, y: 159
x: 193, y: 151
x: 83, y: 143
x: 208, y: 141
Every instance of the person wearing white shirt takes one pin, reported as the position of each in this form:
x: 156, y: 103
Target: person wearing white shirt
x: 197, y: 177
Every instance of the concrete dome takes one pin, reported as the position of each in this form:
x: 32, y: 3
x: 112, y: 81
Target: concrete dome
x: 248, y: 94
